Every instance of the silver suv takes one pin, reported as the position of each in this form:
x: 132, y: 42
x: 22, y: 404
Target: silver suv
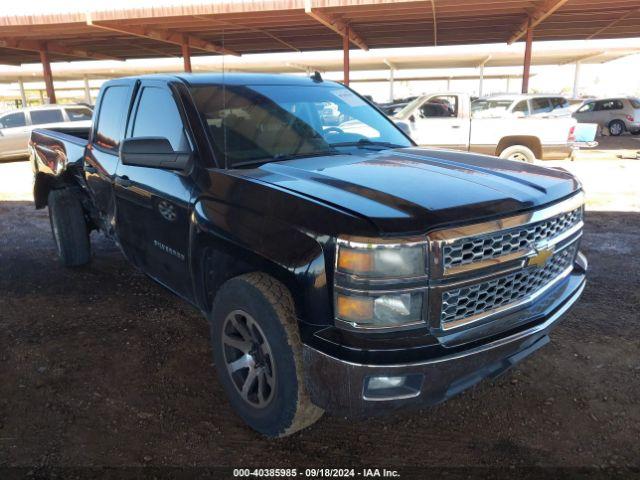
x: 617, y: 114
x: 16, y: 125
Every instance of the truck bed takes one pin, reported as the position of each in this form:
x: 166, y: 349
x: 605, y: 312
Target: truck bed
x: 57, y: 152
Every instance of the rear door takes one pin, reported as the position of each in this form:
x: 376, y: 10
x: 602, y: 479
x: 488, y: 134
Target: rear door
x: 153, y: 204
x: 14, y: 134
x: 101, y: 158
x: 438, y: 122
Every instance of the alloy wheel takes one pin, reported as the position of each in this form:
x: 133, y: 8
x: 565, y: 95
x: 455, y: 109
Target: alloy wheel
x: 248, y: 359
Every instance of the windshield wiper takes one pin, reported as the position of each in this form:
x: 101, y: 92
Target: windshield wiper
x: 366, y: 143
x: 285, y: 156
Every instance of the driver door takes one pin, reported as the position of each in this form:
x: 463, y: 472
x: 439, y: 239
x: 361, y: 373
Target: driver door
x: 153, y: 204
x: 438, y: 123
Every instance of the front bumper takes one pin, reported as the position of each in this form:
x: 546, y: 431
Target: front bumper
x: 340, y: 386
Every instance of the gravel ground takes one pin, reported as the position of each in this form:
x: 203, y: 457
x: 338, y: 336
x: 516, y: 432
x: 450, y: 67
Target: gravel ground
x: 100, y: 366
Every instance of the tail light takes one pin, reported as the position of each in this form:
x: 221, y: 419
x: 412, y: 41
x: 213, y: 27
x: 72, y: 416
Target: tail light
x: 629, y: 117
x: 572, y: 134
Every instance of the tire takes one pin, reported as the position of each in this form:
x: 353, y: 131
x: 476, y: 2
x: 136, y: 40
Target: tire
x: 258, y: 355
x: 69, y: 228
x: 616, y: 128
x: 518, y: 153
x: 635, y: 132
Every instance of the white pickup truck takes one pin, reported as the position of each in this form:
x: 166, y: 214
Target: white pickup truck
x: 446, y: 120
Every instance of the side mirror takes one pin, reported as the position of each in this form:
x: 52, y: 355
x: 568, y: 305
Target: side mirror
x: 404, y: 126
x: 412, y: 119
x: 154, y: 152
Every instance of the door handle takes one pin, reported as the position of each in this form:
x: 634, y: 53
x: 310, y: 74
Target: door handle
x: 455, y: 126
x: 90, y: 169
x: 123, y: 181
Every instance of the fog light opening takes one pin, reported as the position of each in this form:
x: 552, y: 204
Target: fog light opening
x: 385, y: 388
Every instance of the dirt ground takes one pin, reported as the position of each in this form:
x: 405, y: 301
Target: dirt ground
x: 100, y: 366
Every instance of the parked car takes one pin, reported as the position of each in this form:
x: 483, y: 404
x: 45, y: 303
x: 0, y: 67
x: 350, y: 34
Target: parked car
x: 451, y: 120
x: 619, y: 115
x: 16, y: 125
x: 520, y: 105
x: 342, y: 272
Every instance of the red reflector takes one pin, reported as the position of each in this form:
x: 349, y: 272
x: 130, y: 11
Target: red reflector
x: 572, y: 134
x: 630, y: 118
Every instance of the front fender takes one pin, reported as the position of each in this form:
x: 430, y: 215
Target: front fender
x: 229, y: 240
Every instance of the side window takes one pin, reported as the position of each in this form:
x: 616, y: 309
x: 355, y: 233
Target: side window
x: 598, y: 106
x: 440, y: 106
x: 559, y: 102
x: 112, y: 117
x: 157, y: 115
x: 617, y: 105
x: 587, y: 107
x: 78, y: 114
x: 51, y: 115
x: 521, y: 107
x: 13, y: 120
x: 540, y: 105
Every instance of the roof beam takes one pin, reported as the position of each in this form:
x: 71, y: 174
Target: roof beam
x: 535, y: 17
x: 613, y: 23
x: 337, y: 25
x: 166, y: 36
x: 54, y: 47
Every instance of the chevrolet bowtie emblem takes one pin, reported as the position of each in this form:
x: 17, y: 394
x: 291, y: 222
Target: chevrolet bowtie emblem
x: 540, y: 258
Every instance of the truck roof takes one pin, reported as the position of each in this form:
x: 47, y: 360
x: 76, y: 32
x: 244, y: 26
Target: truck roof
x: 231, y: 79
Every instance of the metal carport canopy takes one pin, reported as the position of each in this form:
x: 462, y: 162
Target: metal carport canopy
x: 254, y: 26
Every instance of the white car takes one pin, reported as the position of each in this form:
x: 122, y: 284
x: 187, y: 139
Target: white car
x: 16, y: 125
x: 520, y: 106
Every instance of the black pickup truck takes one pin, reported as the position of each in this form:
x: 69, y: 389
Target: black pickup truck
x: 340, y: 267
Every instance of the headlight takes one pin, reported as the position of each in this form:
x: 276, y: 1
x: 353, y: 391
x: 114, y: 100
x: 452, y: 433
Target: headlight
x: 397, y: 268
x: 381, y: 260
x: 379, y: 310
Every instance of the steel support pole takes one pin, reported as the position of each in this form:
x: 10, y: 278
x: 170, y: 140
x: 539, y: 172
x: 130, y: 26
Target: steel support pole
x: 481, y: 80
x: 23, y: 95
x: 186, y: 54
x: 527, y: 59
x: 87, y: 91
x: 576, y: 80
x: 391, y: 80
x: 345, y: 60
x: 46, y: 70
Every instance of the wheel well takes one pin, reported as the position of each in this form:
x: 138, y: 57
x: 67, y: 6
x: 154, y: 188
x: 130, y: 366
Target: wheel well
x: 531, y: 142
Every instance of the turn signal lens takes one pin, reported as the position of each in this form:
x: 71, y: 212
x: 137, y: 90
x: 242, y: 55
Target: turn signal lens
x: 355, y: 260
x: 355, y: 309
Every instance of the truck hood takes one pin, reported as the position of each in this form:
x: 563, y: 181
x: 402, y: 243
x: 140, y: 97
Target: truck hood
x: 413, y: 190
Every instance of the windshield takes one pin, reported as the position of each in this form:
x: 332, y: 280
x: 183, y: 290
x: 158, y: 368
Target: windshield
x: 635, y: 102
x: 249, y: 124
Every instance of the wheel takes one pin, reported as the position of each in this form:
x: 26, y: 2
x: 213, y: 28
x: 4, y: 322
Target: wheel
x: 616, y: 128
x: 258, y: 355
x: 635, y: 132
x: 518, y: 152
x: 69, y: 228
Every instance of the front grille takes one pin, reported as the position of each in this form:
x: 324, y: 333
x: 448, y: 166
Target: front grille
x: 465, y: 302
x: 493, y: 245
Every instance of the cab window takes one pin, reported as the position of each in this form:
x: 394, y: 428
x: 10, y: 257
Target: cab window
x: 40, y: 117
x: 112, y: 117
x: 540, y: 105
x: 521, y: 107
x: 157, y: 115
x: 77, y: 114
x: 13, y: 120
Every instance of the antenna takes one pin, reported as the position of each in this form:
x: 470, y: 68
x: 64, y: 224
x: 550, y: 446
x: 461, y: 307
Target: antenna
x: 224, y: 108
x: 316, y: 77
